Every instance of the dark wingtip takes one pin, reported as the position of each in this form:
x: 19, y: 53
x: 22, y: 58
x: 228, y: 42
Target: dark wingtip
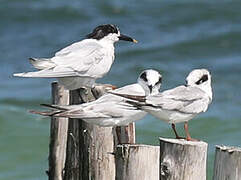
x: 138, y: 105
x: 54, y: 107
x: 132, y: 97
x: 43, y: 113
x: 31, y: 59
x: 47, y: 105
x: 54, y: 113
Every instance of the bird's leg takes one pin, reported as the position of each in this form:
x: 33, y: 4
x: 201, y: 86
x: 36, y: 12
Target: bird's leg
x: 188, y: 136
x: 174, y: 129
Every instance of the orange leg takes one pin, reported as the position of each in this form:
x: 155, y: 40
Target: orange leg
x: 188, y: 136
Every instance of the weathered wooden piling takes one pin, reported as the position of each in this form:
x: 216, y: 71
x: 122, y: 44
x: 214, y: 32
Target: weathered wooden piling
x: 72, y: 165
x: 89, y: 148
x: 126, y: 134
x: 227, y: 165
x: 181, y: 159
x: 82, y: 151
x: 135, y: 162
x: 58, y: 135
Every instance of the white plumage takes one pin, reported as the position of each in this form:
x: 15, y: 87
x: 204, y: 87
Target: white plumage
x: 179, y: 104
x: 81, y: 63
x: 109, y: 109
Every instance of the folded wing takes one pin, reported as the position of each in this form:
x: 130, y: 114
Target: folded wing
x: 182, y: 99
x: 74, y: 60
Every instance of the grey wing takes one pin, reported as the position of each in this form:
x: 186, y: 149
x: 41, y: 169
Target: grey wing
x: 132, y: 89
x: 111, y: 105
x: 72, y: 48
x: 96, y: 110
x: 80, y: 113
x: 107, y: 106
x: 117, y: 109
x: 80, y: 57
x: 196, y: 106
x: 184, y: 93
x: 183, y: 99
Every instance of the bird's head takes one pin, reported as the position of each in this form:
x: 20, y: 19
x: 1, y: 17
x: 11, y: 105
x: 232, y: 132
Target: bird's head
x: 150, y: 80
x: 200, y: 78
x: 109, y: 32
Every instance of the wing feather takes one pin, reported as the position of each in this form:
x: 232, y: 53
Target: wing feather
x: 81, y: 57
x: 183, y: 99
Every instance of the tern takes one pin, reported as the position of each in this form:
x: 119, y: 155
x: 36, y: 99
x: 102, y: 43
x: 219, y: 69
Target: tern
x: 179, y: 104
x: 80, y: 64
x: 109, y: 109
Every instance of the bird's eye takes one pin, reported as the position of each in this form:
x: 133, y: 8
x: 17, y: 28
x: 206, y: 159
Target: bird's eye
x: 202, y: 79
x: 143, y: 76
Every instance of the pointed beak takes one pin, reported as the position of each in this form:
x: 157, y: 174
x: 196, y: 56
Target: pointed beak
x: 186, y: 84
x: 127, y: 38
x: 150, y: 88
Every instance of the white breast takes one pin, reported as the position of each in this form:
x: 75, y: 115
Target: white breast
x: 169, y: 116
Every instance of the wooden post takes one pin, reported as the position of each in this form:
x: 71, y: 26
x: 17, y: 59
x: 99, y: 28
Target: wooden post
x: 126, y: 134
x: 227, y: 165
x: 72, y: 164
x: 181, y: 159
x: 135, y: 162
x: 90, y: 148
x: 58, y: 135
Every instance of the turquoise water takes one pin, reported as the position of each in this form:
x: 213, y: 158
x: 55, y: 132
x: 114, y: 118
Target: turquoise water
x: 174, y: 37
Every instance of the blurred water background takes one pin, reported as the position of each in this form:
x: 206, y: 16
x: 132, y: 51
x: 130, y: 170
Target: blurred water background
x: 174, y: 37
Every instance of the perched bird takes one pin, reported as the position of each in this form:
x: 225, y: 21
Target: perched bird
x: 179, y: 104
x: 109, y: 109
x: 81, y: 63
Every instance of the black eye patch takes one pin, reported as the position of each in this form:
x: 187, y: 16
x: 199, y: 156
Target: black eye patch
x: 102, y: 31
x: 112, y: 28
x: 202, y: 79
x: 143, y: 76
x: 159, y: 81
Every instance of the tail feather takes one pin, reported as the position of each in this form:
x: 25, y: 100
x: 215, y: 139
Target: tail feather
x: 32, y: 74
x: 48, y: 73
x: 54, y: 107
x: 59, y: 113
x: 46, y: 113
x: 42, y: 63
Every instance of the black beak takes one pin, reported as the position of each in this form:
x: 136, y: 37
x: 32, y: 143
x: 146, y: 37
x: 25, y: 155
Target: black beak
x: 127, y: 38
x: 150, y: 87
x: 186, y: 84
